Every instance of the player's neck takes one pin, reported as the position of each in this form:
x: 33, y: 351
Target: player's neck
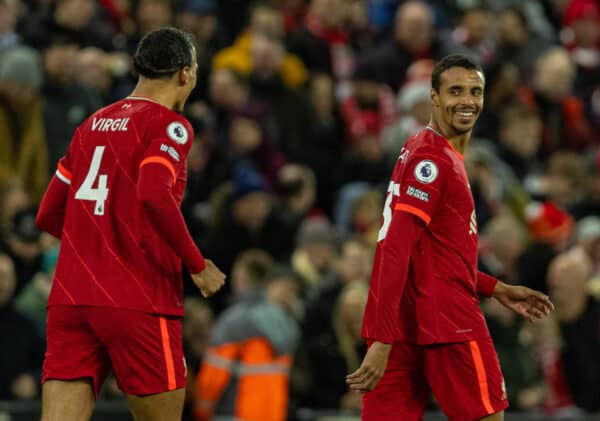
x: 156, y: 90
x: 458, y: 140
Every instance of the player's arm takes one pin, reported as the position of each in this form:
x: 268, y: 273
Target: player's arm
x: 164, y: 159
x: 404, y: 231
x: 154, y: 189
x: 485, y: 284
x: 51, y: 213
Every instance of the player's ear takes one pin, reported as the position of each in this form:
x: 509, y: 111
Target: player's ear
x: 185, y: 75
x: 435, y: 98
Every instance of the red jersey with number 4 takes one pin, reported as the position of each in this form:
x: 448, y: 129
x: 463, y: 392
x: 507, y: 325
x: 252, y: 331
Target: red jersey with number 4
x: 439, y: 303
x: 110, y: 256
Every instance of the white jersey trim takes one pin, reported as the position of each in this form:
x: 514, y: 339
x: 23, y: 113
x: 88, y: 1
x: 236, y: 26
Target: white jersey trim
x: 62, y: 177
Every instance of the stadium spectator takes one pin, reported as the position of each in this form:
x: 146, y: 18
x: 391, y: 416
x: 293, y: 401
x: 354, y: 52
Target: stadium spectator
x: 9, y: 38
x: 23, y: 146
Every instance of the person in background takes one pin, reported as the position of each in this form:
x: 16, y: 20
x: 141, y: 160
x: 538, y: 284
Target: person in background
x: 578, y: 315
x: 21, y: 357
x: 23, y: 148
x: 245, y: 371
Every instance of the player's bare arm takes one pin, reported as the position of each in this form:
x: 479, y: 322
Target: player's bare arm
x: 531, y: 304
x: 210, y: 280
x: 366, y: 377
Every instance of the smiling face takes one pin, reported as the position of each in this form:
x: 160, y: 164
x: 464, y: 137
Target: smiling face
x: 458, y: 104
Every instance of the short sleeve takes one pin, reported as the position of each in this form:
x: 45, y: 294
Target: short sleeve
x: 421, y: 184
x: 169, y: 144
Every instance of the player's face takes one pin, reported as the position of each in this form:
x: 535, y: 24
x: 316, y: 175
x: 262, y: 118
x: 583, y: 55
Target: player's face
x: 459, y: 102
x: 188, y: 79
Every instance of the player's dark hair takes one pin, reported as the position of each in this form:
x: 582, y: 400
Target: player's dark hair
x: 453, y: 60
x: 163, y: 52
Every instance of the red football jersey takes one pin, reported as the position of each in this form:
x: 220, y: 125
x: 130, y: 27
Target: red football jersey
x: 439, y: 302
x: 110, y: 254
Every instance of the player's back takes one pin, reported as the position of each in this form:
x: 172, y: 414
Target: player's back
x: 110, y: 254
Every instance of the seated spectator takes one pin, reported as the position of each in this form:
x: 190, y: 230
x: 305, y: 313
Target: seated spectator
x: 22, y: 242
x: 21, y: 357
x: 33, y: 299
x: 320, y: 41
x: 564, y: 121
x: 414, y: 38
x: 316, y: 250
x: 8, y: 22
x: 23, y: 150
x: 247, y: 218
x: 337, y: 351
x: 267, y: 21
x: 414, y: 107
x: 550, y: 229
x: 579, y: 317
x: 568, y: 184
x: 473, y: 36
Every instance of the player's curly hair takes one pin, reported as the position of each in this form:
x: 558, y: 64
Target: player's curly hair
x: 163, y: 52
x: 453, y: 60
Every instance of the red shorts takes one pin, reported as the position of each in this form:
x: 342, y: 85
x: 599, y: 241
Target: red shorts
x: 144, y: 350
x: 465, y: 379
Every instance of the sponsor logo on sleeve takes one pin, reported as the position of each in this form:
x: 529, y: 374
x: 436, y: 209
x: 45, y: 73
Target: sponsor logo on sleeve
x: 177, y: 132
x: 417, y: 194
x: 426, y: 171
x: 171, y: 151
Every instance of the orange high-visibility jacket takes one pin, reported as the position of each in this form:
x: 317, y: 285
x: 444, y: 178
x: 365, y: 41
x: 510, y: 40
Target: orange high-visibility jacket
x: 245, y: 372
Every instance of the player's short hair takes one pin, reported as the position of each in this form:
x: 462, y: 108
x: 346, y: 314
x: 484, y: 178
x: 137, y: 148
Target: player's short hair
x: 453, y: 60
x: 163, y: 52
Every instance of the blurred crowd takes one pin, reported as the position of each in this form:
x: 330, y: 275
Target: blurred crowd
x: 299, y: 114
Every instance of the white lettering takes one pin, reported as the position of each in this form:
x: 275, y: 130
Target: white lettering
x: 115, y: 125
x: 96, y: 123
x: 110, y: 124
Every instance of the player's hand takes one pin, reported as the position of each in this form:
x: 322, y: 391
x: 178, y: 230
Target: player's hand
x: 366, y: 377
x: 531, y: 304
x: 210, y: 280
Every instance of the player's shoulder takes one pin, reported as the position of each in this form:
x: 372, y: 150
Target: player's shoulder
x: 165, y: 123
x: 425, y: 144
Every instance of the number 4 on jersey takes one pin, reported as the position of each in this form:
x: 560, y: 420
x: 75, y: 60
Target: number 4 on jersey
x: 87, y: 191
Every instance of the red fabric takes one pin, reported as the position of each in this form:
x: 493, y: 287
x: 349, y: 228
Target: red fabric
x: 439, y: 302
x: 330, y: 35
x: 485, y: 284
x: 123, y: 251
x: 359, y: 122
x: 51, y: 213
x: 381, y: 316
x: 577, y: 132
x: 116, y: 14
x: 581, y: 9
x: 458, y: 379
x: 145, y: 353
x: 548, y: 223
x: 154, y: 190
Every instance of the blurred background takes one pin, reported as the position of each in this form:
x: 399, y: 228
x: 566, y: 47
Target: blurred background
x: 299, y: 114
